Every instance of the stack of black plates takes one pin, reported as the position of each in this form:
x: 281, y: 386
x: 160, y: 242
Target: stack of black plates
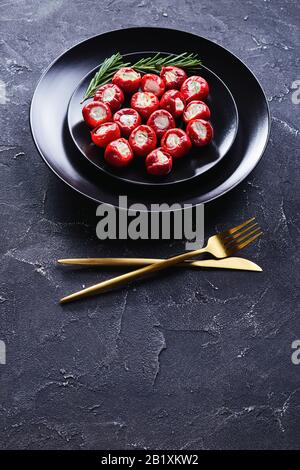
x: 240, y: 117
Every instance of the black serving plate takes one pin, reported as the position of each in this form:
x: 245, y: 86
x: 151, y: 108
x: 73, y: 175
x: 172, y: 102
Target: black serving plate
x: 224, y: 119
x: 48, y: 117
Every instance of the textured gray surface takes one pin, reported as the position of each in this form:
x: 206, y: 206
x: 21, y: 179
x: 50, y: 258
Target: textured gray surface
x: 189, y: 360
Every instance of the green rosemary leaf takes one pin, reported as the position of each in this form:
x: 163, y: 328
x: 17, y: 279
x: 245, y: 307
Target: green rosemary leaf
x: 154, y: 64
x: 189, y: 62
x: 105, y: 73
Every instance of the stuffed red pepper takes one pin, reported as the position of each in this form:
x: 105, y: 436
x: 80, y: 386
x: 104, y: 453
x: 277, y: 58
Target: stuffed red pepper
x: 110, y: 94
x: 196, y: 110
x: 194, y: 88
x: 158, y: 162
x: 118, y: 153
x: 142, y: 140
x: 127, y: 79
x: 105, y: 133
x: 160, y: 121
x: 127, y: 119
x: 95, y: 113
x: 173, y: 77
x: 153, y: 83
x: 174, y: 102
x: 144, y: 102
x: 200, y: 132
x: 176, y: 142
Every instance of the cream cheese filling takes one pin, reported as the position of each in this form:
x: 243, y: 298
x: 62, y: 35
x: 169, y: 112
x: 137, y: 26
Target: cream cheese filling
x: 161, y: 122
x: 103, y: 129
x: 193, y: 110
x: 141, y: 138
x: 127, y: 119
x: 162, y: 158
x: 170, y: 76
x: 143, y: 100
x: 172, y: 140
x: 200, y: 129
x: 98, y: 113
x: 151, y: 85
x: 122, y: 148
x: 179, y: 104
x: 193, y: 86
x: 129, y: 75
x: 108, y: 94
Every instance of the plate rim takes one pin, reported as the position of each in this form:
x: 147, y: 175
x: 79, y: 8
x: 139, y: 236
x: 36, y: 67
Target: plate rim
x: 154, y: 185
x: 135, y: 28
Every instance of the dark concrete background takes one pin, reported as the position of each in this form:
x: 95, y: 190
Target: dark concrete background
x: 193, y: 360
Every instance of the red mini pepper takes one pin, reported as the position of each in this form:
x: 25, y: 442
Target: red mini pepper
x: 118, y: 153
x: 145, y: 103
x: 153, y: 83
x: 200, y: 132
x: 174, y: 102
x: 194, y: 88
x: 95, y: 113
x: 110, y: 94
x: 142, y: 140
x: 128, y: 119
x: 158, y: 162
x: 176, y: 142
x: 196, y: 110
x: 127, y: 79
x: 173, y: 77
x: 105, y: 133
x: 160, y: 121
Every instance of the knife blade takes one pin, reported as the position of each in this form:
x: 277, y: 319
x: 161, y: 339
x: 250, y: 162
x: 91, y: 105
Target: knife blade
x: 241, y: 264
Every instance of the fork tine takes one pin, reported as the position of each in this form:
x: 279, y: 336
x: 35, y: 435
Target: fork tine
x: 237, y: 234
x: 239, y: 239
x: 240, y: 246
x: 238, y: 227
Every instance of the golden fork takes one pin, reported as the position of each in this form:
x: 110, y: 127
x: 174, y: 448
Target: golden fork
x: 220, y: 245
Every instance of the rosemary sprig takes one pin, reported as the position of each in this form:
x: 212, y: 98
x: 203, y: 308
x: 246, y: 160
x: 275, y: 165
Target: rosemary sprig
x: 105, y: 73
x: 189, y: 62
x: 154, y: 64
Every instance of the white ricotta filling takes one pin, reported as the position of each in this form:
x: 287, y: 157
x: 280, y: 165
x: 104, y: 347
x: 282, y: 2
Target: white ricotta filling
x: 170, y: 76
x: 179, y: 104
x: 151, y: 85
x: 129, y: 75
x: 143, y: 100
x: 161, y: 157
x: 172, y: 140
x: 161, y: 122
x: 103, y: 129
x: 141, y: 138
x: 108, y: 94
x: 98, y: 113
x: 127, y: 119
x: 193, y: 110
x: 193, y: 86
x: 122, y: 148
x: 200, y: 129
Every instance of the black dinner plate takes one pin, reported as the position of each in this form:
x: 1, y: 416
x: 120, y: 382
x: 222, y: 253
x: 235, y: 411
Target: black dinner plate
x: 224, y: 119
x: 48, y: 117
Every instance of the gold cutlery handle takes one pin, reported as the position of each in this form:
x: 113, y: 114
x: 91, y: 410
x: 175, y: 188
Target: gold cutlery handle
x: 124, y: 278
x: 122, y: 262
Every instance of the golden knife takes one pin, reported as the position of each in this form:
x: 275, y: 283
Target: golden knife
x: 225, y: 263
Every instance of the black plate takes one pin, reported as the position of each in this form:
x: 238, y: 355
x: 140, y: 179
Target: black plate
x: 54, y: 90
x: 224, y: 119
